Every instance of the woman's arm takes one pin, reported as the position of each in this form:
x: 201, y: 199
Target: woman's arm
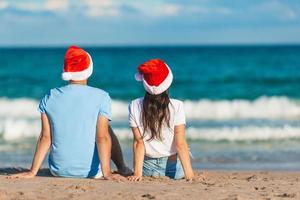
x: 139, y: 153
x: 183, y: 151
x: 41, y: 150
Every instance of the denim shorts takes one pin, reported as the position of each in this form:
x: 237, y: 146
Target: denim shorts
x: 158, y: 167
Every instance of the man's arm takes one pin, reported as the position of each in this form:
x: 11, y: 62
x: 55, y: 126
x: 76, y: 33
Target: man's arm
x: 103, y: 141
x: 42, y: 147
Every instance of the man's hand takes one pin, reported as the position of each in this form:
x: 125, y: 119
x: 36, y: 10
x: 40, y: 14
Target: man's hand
x: 114, y: 177
x: 28, y: 174
x: 42, y: 148
x: 135, y: 178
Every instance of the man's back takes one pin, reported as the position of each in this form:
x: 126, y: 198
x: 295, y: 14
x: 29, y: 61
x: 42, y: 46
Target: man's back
x: 73, y: 111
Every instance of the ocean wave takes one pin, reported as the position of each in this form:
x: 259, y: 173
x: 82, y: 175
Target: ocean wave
x: 19, y: 118
x: 18, y: 108
x: 15, y: 130
x: 261, y: 108
x: 248, y: 133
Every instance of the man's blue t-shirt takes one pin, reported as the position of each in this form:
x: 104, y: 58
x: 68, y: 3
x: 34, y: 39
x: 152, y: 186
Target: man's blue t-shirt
x: 73, y: 111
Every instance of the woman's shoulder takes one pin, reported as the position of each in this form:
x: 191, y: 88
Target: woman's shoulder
x: 136, y: 103
x: 176, y: 102
x: 137, y: 100
x: 176, y: 105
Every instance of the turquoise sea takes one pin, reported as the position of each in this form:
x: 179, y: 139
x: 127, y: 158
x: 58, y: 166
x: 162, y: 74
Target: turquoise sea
x: 242, y: 102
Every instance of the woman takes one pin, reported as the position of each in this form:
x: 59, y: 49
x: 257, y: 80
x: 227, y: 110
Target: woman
x: 158, y: 126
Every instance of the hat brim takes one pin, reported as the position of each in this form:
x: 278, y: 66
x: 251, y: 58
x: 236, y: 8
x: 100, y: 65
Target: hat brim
x: 155, y: 90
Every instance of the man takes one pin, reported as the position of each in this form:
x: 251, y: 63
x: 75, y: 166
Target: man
x: 75, y: 126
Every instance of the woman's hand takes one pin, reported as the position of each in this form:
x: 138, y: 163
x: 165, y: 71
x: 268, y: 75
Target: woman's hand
x: 135, y: 178
x: 29, y: 174
x: 190, y: 177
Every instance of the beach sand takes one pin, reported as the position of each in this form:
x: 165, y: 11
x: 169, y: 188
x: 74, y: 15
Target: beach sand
x: 217, y: 185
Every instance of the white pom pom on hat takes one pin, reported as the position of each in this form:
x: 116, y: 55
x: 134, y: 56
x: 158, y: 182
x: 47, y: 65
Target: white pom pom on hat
x: 66, y: 76
x: 138, y: 77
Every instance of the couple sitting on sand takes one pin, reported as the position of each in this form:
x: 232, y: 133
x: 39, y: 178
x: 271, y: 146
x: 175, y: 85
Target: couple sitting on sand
x: 75, y: 127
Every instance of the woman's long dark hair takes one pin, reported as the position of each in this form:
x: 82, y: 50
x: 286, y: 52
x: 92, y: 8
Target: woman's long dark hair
x: 155, y: 114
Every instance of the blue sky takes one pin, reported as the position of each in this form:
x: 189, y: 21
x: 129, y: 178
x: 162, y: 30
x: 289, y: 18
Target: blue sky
x: 154, y: 22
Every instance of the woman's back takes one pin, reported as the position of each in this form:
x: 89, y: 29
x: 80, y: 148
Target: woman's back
x: 156, y: 148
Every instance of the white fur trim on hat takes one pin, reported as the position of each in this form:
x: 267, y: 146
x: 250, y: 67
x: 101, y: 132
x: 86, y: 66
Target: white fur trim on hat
x: 162, y: 87
x: 79, y: 76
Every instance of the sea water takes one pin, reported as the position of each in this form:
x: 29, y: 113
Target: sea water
x: 242, y: 103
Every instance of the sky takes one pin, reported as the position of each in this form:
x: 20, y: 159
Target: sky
x: 148, y: 22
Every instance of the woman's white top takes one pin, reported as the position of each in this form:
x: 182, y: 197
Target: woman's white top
x: 158, y: 148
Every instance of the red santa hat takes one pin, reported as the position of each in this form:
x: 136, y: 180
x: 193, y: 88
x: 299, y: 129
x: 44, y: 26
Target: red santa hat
x: 156, y: 75
x: 78, y: 64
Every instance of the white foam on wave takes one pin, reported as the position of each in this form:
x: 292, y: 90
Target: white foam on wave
x: 18, y: 108
x: 247, y: 133
x: 19, y: 118
x: 19, y: 129
x: 12, y: 129
x: 261, y: 108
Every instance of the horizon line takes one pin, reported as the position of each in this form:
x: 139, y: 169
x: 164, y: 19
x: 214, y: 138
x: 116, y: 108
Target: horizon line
x: 150, y: 45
